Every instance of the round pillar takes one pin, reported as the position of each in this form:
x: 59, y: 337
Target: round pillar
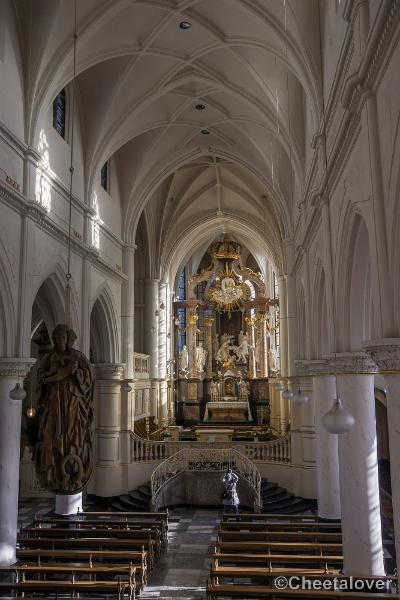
x: 68, y: 504
x: 108, y: 414
x: 162, y: 353
x: 326, y: 451
x: 12, y: 371
x: 359, y: 485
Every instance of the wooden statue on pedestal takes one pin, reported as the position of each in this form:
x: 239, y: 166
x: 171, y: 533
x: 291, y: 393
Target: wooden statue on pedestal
x: 63, y: 453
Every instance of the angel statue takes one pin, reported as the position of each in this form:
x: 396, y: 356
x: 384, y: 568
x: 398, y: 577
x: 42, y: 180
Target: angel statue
x: 63, y: 453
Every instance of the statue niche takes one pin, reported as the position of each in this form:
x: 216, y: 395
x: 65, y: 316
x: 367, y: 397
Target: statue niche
x: 63, y: 452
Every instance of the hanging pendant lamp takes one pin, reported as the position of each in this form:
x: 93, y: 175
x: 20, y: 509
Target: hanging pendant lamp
x: 338, y: 420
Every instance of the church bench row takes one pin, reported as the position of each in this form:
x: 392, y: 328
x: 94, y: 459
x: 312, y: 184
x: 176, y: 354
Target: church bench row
x: 52, y: 588
x: 239, y: 572
x: 91, y: 543
x: 215, y: 591
x: 300, y: 536
x: 274, y: 517
x: 69, y: 533
x: 241, y: 525
x: 305, y: 561
x: 315, y: 548
x: 130, y: 520
x: 94, y: 558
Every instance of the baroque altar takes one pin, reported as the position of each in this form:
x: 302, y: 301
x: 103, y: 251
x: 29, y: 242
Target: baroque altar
x: 229, y: 328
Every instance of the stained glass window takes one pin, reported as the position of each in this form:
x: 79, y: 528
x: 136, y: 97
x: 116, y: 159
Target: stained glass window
x: 59, y: 112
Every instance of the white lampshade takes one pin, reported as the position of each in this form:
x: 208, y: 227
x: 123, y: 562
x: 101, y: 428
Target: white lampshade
x: 287, y: 394
x: 338, y: 420
x: 18, y: 392
x: 299, y: 397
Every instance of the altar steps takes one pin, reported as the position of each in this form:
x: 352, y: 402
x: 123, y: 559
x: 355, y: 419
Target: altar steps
x: 278, y: 499
x: 274, y: 499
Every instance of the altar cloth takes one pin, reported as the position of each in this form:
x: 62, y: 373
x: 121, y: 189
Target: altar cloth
x: 231, y: 411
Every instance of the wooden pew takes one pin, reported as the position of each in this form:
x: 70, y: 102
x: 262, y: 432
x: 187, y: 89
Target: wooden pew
x: 91, y: 544
x: 275, y: 517
x: 318, y: 549
x: 94, y: 558
x: 215, y: 591
x: 218, y: 572
x: 69, y: 533
x: 53, y: 587
x: 157, y: 521
x: 300, y: 561
x: 295, y: 536
x: 268, y: 526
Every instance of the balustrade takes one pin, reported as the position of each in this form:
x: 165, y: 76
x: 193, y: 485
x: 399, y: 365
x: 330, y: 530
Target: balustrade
x: 275, y: 451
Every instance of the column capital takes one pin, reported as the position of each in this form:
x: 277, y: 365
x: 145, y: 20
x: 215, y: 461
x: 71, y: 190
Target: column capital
x: 106, y: 371
x: 385, y: 353
x: 16, y: 367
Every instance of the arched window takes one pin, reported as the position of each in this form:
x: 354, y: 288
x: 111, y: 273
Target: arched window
x: 104, y: 177
x: 59, y: 112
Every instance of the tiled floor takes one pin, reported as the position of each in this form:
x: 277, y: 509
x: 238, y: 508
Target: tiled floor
x: 183, y: 570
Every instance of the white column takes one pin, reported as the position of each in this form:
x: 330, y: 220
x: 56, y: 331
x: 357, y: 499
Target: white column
x: 12, y: 371
x: 162, y: 352
x: 358, y: 464
x: 326, y: 450
x: 283, y: 325
x: 151, y: 339
x: 386, y: 355
x: 110, y: 463
x: 128, y: 309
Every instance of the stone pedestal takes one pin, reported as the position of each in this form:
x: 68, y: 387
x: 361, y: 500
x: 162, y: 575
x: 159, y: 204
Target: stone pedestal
x: 68, y: 504
x: 359, y: 485
x: 12, y: 371
x: 326, y: 451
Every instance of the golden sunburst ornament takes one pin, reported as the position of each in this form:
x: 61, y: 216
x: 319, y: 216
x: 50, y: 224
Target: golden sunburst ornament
x: 227, y: 293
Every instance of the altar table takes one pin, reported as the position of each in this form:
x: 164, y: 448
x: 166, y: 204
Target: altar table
x: 227, y: 411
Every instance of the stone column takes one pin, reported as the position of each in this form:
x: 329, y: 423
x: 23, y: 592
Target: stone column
x: 162, y: 352
x: 12, y: 371
x: 326, y: 450
x: 263, y: 334
x: 208, y: 322
x: 191, y: 341
x: 386, y: 355
x: 128, y: 309
x: 283, y: 325
x: 358, y: 464
x: 250, y: 322
x: 111, y: 476
x: 151, y: 339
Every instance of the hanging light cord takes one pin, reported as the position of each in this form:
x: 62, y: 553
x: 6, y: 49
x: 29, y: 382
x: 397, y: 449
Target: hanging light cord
x: 68, y: 275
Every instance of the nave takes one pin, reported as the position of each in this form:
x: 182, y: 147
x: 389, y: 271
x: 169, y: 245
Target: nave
x: 200, y: 553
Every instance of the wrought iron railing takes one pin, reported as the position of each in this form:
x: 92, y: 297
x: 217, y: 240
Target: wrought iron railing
x: 274, y: 451
x: 206, y: 460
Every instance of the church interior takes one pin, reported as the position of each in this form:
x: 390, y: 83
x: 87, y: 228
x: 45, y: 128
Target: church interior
x: 199, y: 299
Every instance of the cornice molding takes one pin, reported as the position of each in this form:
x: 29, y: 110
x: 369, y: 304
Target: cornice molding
x: 16, y: 367
x: 350, y: 363
x: 36, y: 212
x: 109, y: 371
x: 385, y: 353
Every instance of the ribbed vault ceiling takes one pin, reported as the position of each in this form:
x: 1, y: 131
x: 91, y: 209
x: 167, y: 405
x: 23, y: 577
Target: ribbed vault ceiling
x: 254, y: 64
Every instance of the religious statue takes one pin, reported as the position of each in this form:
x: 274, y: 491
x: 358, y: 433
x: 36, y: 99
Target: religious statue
x: 257, y: 352
x: 63, y: 456
x: 272, y: 360
x: 229, y: 496
x: 240, y: 337
x: 215, y: 346
x: 223, y: 354
x: 184, y: 359
x: 243, y: 348
x: 214, y: 390
x: 201, y: 355
x: 244, y: 389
